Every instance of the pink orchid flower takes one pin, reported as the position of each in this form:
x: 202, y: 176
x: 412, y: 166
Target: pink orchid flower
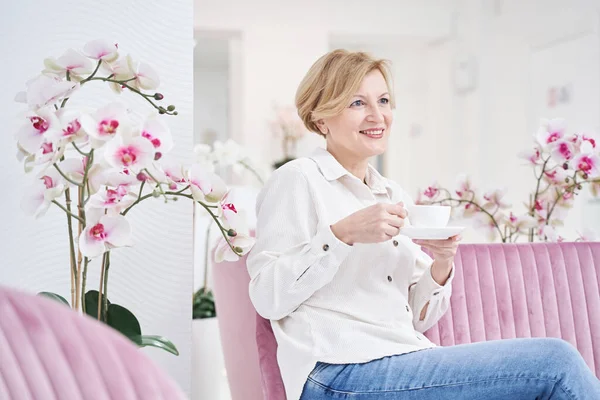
x: 550, y: 131
x: 562, y: 150
x: 464, y: 187
x: 556, y: 176
x: 158, y: 133
x: 588, y: 164
x: 533, y: 156
x: 133, y: 154
x: 522, y: 222
x: 494, y: 199
x: 175, y: 175
x: 113, y: 199
x: 41, y: 127
x: 103, y: 232
x: 38, y: 197
x: 432, y: 191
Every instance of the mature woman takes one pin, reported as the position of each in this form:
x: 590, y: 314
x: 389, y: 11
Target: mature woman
x: 348, y: 295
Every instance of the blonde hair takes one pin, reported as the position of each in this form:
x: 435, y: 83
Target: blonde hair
x: 331, y: 82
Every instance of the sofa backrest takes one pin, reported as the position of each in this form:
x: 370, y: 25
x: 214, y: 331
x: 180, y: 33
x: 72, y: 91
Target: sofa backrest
x: 499, y: 291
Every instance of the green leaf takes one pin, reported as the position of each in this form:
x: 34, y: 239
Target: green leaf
x: 155, y: 341
x: 91, y: 303
x: 123, y: 320
x: 54, y: 296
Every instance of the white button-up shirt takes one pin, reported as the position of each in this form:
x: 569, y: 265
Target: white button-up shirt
x: 328, y: 301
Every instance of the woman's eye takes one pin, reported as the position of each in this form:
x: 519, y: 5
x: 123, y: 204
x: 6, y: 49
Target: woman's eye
x: 384, y: 100
x: 357, y: 103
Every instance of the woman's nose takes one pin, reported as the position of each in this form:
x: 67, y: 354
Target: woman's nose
x: 375, y: 114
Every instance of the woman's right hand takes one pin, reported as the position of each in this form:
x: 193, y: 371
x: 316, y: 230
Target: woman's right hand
x: 373, y: 224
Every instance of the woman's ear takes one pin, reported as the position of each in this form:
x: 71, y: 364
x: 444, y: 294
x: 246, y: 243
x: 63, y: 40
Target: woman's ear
x: 322, y: 127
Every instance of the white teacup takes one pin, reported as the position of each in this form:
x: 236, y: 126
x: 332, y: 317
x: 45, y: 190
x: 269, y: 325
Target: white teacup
x: 428, y: 216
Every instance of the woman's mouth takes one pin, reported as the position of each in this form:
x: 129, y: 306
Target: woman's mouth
x: 373, y: 133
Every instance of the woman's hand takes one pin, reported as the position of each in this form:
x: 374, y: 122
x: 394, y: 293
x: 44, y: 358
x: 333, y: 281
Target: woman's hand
x: 442, y: 251
x: 373, y: 224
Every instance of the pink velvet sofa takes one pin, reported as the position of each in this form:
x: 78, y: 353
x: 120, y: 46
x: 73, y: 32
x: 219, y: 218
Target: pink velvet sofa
x: 532, y: 290
x: 50, y: 352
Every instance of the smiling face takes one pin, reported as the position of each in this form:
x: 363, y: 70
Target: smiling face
x: 362, y: 129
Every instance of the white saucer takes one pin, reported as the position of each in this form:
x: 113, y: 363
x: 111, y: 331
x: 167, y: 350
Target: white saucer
x: 431, y: 233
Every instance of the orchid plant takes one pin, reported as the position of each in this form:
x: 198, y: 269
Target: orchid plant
x: 221, y: 155
x: 289, y: 127
x: 562, y: 164
x: 96, y: 165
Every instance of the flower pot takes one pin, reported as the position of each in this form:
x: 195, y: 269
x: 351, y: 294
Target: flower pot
x: 209, y: 378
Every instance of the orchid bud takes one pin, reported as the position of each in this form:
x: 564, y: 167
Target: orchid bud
x: 175, y: 198
x: 238, y: 250
x: 567, y: 179
x: 161, y: 110
x: 171, y: 107
x: 579, y: 187
x: 232, y: 232
x: 585, y: 176
x: 141, y: 177
x: 155, y: 193
x: 157, y: 156
x: 172, y: 186
x: 565, y: 166
x: 158, y: 96
x: 175, y: 113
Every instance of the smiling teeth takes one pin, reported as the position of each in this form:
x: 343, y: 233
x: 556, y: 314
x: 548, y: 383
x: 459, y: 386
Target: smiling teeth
x: 372, y: 132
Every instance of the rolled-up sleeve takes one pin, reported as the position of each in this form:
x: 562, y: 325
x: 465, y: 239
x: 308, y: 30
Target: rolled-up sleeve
x: 295, y: 253
x: 424, y: 289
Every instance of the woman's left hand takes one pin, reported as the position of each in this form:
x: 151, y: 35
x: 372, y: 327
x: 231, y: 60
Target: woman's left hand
x: 442, y: 251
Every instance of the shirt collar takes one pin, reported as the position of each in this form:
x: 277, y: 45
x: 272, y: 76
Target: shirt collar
x: 333, y: 170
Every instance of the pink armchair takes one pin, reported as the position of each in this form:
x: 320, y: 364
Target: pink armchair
x: 539, y: 290
x: 48, y: 351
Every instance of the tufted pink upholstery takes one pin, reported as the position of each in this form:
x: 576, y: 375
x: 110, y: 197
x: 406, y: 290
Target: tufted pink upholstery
x: 499, y: 291
x: 48, y: 351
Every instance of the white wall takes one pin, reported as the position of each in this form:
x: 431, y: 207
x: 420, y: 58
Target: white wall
x: 279, y: 41
x: 154, y: 278
x: 439, y: 131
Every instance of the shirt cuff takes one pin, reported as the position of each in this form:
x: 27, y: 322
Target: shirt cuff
x: 429, y: 287
x: 325, y: 243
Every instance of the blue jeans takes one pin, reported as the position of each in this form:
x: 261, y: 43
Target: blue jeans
x: 510, y: 369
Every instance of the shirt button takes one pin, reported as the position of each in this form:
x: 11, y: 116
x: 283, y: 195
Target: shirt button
x: 389, y: 278
x: 395, y: 242
x: 407, y: 309
x: 325, y: 247
x: 436, y: 293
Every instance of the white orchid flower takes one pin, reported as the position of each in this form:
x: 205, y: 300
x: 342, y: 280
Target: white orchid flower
x: 133, y: 154
x: 72, y: 61
x: 158, y: 133
x: 101, y: 50
x: 45, y: 90
x: 205, y: 184
x: 106, y: 123
x: 145, y: 76
x: 103, y: 232
x: 38, y: 196
x: 241, y: 242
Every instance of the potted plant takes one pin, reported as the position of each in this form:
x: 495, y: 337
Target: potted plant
x: 97, y: 164
x: 562, y: 165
